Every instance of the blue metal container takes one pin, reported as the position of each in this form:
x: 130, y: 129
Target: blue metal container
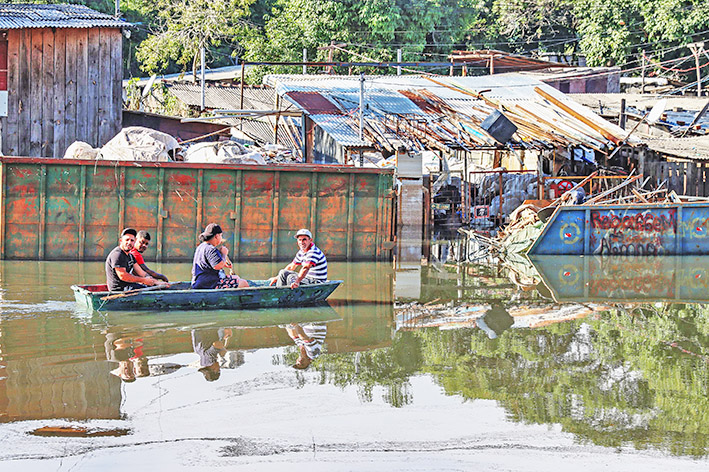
x: 643, y: 230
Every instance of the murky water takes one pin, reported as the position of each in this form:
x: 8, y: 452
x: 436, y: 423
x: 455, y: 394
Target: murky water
x: 433, y: 367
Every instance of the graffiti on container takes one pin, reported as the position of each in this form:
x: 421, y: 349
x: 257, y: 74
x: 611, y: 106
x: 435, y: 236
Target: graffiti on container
x: 643, y: 233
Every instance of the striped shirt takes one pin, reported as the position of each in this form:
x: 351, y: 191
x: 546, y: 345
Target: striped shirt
x: 317, y: 334
x: 316, y: 257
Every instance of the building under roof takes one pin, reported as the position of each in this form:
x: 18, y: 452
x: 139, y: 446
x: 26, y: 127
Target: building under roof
x: 439, y: 113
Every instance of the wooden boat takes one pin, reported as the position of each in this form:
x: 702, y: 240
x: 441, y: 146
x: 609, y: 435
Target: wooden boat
x: 626, y: 230
x: 179, y: 296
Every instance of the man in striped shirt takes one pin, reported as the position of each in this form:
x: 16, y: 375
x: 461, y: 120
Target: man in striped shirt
x: 309, y: 266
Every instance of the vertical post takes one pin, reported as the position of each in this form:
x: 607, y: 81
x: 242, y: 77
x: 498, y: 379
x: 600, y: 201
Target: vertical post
x: 398, y: 59
x: 466, y: 189
x: 642, y: 74
x: 696, y: 49
x: 621, y: 118
x: 117, y: 8
x: 237, y: 215
x: 492, y: 64
x: 305, y: 59
x: 501, y: 197
x: 361, y: 108
x: 3, y: 205
x: 277, y: 107
x: 201, y: 102
x: 241, y: 93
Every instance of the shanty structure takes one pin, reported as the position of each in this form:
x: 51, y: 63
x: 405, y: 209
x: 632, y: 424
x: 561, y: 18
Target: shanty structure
x: 499, y: 61
x: 60, y: 78
x: 444, y: 114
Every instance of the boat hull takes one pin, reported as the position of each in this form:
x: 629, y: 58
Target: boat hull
x: 641, y: 230
x: 180, y: 297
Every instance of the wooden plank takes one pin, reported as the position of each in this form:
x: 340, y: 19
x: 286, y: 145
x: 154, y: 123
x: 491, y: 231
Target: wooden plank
x: 82, y: 214
x: 115, y: 122
x: 41, y: 236
x: 59, y: 145
x: 704, y: 181
x: 82, y: 87
x: 104, y: 87
x: 71, y: 51
x: 23, y: 93
x: 92, y: 91
x: 47, y: 92
x: 690, y: 182
x: 276, y: 211
x: 350, y: 215
x: 35, y: 96
x: 10, y: 142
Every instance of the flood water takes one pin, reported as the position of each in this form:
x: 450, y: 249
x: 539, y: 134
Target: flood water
x: 436, y: 366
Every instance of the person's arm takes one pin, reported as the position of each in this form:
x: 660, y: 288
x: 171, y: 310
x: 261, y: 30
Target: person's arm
x: 301, y: 275
x: 224, y: 251
x: 125, y: 276
x: 152, y: 273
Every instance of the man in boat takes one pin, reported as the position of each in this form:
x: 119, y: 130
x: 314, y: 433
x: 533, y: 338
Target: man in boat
x: 309, y: 338
x: 309, y: 266
x: 122, y: 273
x: 210, y: 258
x: 142, y: 241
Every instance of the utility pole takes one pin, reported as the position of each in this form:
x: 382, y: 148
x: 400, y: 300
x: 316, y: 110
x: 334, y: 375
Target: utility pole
x: 202, y: 99
x: 305, y: 59
x: 697, y: 49
x: 361, y: 106
x: 398, y: 59
x: 642, y: 75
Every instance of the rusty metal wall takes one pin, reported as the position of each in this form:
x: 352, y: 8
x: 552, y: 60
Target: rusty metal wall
x: 73, y: 210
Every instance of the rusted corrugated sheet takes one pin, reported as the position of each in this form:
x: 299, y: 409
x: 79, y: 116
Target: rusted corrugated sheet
x: 314, y: 103
x: 18, y: 16
x: 73, y: 210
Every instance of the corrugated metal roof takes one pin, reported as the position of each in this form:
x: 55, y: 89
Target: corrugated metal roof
x: 447, y: 111
x: 218, y: 97
x: 19, y: 16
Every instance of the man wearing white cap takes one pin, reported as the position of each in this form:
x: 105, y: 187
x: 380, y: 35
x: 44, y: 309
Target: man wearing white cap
x: 309, y: 266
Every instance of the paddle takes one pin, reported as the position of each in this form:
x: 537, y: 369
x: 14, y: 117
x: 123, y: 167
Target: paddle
x: 135, y: 291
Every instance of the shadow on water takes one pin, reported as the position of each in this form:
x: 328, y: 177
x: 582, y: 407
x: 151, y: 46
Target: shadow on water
x: 619, y: 358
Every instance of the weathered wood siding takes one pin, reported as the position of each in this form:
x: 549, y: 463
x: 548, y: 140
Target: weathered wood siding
x: 64, y: 85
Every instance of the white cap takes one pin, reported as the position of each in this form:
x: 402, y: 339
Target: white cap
x: 304, y: 232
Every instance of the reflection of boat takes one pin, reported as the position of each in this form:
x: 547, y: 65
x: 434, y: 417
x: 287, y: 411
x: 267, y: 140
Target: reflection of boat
x: 257, y: 318
x: 625, y: 279
x: 179, y: 296
x: 638, y: 229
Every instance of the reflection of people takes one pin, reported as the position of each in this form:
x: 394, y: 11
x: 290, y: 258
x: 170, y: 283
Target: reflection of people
x: 309, y: 338
x: 309, y: 266
x: 128, y: 353
x: 495, y: 321
x: 121, y: 271
x: 208, y: 344
x: 210, y: 258
x: 142, y: 241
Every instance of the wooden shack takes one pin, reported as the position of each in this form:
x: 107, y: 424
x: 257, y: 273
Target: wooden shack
x: 60, y: 78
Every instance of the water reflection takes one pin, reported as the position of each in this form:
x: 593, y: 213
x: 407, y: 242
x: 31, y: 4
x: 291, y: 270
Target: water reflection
x: 600, y: 361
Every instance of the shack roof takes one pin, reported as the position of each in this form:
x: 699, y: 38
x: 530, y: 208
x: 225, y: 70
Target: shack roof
x: 502, y: 60
x: 25, y: 15
x: 224, y: 97
x: 445, y: 113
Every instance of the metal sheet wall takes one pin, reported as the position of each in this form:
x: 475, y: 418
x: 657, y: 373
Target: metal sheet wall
x: 73, y: 210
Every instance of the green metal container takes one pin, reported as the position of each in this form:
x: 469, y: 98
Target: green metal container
x: 56, y: 209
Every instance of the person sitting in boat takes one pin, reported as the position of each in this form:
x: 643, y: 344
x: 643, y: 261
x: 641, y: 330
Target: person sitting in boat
x: 309, y: 338
x: 210, y: 258
x: 309, y: 266
x: 142, y: 241
x: 122, y: 273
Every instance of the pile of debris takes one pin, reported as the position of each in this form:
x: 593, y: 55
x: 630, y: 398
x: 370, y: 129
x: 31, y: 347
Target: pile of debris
x: 136, y: 143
